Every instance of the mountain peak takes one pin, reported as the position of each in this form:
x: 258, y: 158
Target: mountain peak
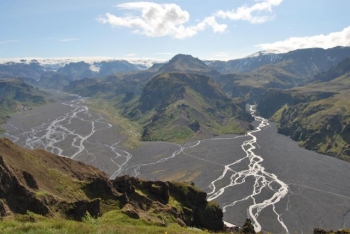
x: 188, y: 64
x: 263, y: 52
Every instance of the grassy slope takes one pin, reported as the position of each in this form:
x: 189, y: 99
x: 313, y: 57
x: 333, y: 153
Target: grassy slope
x: 173, y: 123
x: 110, y: 222
x: 129, y: 128
x: 315, y: 116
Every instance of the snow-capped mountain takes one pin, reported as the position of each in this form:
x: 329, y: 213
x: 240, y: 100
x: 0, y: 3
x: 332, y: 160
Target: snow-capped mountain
x: 75, y: 68
x: 316, y: 58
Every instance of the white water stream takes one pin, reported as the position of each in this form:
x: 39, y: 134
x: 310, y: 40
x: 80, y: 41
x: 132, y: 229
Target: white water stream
x: 263, y: 180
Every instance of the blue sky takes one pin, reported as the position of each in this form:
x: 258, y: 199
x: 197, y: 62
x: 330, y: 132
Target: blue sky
x: 207, y: 29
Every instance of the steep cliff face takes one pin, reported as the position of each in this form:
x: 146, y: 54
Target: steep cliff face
x: 319, y: 121
x: 273, y: 100
x: 317, y: 128
x: 316, y: 115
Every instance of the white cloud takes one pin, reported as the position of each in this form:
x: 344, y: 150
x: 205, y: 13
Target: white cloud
x: 69, y: 39
x: 9, y: 41
x: 130, y: 55
x: 333, y: 39
x: 157, y: 20
x: 255, y: 14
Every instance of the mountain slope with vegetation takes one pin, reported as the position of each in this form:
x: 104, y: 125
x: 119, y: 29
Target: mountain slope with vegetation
x: 315, y: 115
x: 179, y: 106
x: 250, y: 86
x: 110, y: 86
x: 44, y: 191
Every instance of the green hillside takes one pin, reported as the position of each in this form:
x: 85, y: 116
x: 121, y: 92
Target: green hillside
x: 316, y: 115
x: 179, y: 106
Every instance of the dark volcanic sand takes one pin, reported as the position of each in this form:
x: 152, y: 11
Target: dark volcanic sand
x: 318, y: 186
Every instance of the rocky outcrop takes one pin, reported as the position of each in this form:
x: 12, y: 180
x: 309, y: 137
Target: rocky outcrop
x: 197, y: 211
x: 17, y: 197
x: 79, y: 209
x: 194, y: 209
x: 248, y: 227
x: 4, y: 210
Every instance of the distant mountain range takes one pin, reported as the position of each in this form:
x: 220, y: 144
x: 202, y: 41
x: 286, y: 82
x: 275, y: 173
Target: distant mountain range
x: 73, y: 70
x: 247, y: 77
x: 304, y: 61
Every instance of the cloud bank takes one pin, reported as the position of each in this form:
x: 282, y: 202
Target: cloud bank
x: 330, y: 40
x: 253, y: 14
x: 157, y: 20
